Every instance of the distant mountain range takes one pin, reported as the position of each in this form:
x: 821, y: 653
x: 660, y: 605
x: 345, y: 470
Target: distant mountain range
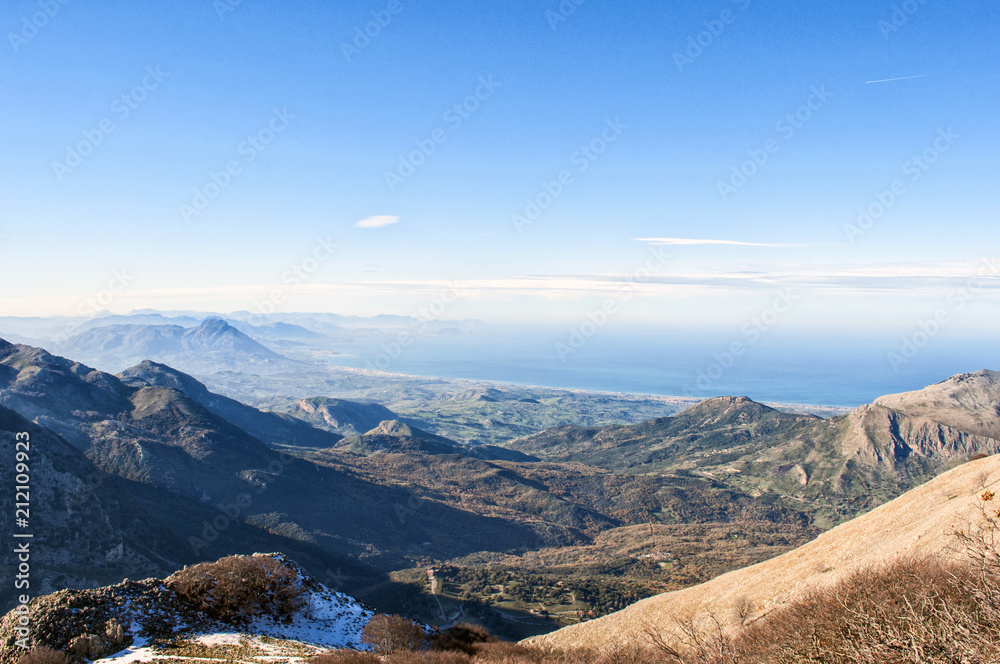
x: 837, y: 466
x: 211, y: 341
x: 274, y: 326
x: 206, y: 342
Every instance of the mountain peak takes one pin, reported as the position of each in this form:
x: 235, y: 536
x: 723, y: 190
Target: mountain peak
x: 216, y: 334
x: 215, y: 323
x: 396, y: 428
x: 969, y: 401
x: 149, y: 373
x: 982, y: 376
x: 720, y: 408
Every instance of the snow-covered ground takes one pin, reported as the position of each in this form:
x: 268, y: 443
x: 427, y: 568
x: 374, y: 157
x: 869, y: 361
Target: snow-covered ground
x: 223, y: 646
x: 329, y: 619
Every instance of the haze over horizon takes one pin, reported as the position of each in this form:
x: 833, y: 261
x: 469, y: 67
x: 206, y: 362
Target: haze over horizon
x: 690, y: 164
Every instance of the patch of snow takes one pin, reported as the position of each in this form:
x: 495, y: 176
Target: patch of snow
x: 139, y: 651
x: 219, y: 639
x: 330, y: 619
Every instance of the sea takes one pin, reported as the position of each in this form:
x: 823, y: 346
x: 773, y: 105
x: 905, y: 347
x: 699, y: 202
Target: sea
x: 816, y: 369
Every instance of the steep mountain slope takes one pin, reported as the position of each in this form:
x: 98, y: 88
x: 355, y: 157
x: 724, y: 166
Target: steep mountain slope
x: 92, y: 527
x: 272, y: 428
x: 86, y: 529
x: 923, y: 521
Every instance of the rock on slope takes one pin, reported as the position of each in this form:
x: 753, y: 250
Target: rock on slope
x: 921, y: 522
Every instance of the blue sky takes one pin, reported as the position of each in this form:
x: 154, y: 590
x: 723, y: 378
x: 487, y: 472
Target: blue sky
x: 667, y: 121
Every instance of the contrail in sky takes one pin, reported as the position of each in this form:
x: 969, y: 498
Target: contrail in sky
x: 901, y: 78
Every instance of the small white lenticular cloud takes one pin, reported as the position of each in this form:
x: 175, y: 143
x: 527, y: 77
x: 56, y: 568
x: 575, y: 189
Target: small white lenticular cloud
x: 377, y: 221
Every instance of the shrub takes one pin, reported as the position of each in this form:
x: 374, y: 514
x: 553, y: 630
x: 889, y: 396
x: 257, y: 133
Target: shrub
x: 513, y: 653
x: 509, y: 653
x: 389, y: 634
x: 912, y: 611
x: 345, y: 657
x: 44, y: 655
x: 238, y: 588
x: 461, y: 637
x: 428, y: 657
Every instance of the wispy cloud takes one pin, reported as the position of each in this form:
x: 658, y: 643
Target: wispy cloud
x: 891, y: 280
x: 377, y: 221
x: 687, y: 242
x: 900, y: 78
